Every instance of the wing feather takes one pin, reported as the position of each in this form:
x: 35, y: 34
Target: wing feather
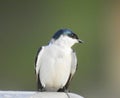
x: 73, y: 69
x: 37, y: 67
x: 74, y: 64
x: 38, y: 59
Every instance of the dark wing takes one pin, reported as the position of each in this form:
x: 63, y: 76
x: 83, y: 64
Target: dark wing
x: 38, y: 59
x: 73, y: 68
x: 74, y: 64
x: 37, y: 67
x: 37, y: 55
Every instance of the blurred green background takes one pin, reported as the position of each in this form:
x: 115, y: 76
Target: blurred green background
x: 25, y: 25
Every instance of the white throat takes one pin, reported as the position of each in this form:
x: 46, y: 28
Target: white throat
x: 64, y: 41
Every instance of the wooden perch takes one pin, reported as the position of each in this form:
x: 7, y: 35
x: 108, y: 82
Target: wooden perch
x: 55, y: 95
x: 28, y: 94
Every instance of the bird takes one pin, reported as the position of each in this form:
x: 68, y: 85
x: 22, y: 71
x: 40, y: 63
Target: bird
x: 56, y: 62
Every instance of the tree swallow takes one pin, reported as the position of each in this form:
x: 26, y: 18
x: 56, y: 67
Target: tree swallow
x: 56, y: 62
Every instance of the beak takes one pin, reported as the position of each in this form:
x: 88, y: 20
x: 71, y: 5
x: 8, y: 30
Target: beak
x: 80, y: 41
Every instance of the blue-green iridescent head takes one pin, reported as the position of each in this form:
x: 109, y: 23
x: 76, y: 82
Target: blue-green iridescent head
x: 66, y: 32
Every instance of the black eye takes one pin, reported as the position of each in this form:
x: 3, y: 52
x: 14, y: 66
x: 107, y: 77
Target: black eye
x: 74, y: 36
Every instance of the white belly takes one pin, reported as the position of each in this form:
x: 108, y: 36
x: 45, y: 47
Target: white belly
x: 55, y: 70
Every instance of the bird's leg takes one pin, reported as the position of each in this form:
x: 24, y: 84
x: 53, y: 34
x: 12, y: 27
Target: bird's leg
x: 42, y: 89
x: 65, y: 90
x: 67, y: 93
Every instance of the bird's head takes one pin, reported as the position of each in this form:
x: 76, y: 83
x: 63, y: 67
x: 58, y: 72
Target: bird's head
x: 65, y: 37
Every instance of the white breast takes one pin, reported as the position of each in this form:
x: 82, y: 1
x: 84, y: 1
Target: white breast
x: 55, y: 67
